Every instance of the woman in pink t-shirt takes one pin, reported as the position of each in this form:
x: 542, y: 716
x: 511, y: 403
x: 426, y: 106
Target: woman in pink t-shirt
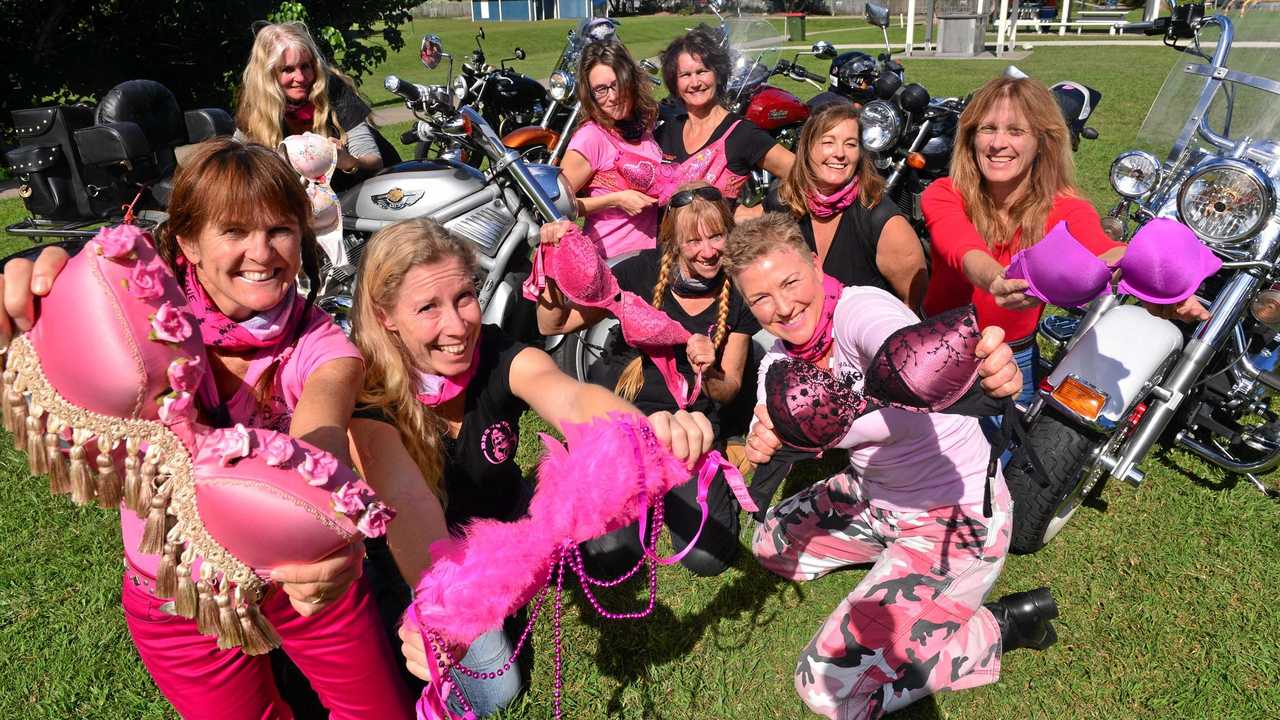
x: 236, y: 237
x: 612, y: 161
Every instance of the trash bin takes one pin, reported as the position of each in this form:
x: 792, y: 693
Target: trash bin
x: 962, y: 34
x: 795, y: 25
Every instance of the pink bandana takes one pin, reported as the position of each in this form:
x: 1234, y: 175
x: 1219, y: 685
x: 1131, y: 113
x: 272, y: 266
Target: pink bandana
x: 819, y: 343
x: 303, y: 114
x: 824, y: 206
x: 263, y: 330
x: 435, y: 390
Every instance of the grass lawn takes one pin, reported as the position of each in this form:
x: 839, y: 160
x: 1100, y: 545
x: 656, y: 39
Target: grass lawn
x: 1167, y: 599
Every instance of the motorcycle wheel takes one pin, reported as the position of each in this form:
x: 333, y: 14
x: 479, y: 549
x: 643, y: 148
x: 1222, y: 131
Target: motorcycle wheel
x: 1043, y: 506
x: 579, y: 352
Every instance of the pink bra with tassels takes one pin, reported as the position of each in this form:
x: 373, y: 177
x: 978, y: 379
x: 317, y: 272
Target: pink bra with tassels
x: 578, y: 267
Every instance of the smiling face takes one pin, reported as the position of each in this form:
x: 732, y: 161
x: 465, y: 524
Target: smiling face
x: 246, y: 267
x: 701, y: 247
x: 695, y: 82
x: 437, y: 316
x: 296, y: 74
x: 783, y: 288
x: 833, y: 156
x: 602, y: 81
x: 1004, y: 147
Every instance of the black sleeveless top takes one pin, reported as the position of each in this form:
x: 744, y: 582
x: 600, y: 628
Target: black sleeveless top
x: 852, y: 256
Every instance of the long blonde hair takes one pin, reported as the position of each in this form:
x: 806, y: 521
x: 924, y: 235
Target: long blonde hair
x: 803, y: 179
x: 1052, y: 171
x: 390, y: 380
x: 261, y: 104
x: 711, y: 216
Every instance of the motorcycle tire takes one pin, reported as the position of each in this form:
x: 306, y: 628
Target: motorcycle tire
x: 579, y: 352
x: 1043, y: 506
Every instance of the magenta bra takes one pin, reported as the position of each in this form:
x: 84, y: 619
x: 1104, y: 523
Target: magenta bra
x: 1164, y: 264
x: 634, y: 171
x: 921, y: 368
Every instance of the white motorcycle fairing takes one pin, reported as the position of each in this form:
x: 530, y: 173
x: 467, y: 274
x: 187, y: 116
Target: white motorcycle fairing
x: 1118, y: 357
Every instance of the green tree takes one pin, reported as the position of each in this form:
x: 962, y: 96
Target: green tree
x: 63, y: 50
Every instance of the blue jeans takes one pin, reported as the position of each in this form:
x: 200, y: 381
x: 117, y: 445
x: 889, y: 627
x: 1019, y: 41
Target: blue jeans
x: 487, y: 654
x: 1028, y: 360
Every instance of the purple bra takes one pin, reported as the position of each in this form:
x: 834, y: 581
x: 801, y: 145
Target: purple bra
x: 921, y: 368
x: 1164, y: 264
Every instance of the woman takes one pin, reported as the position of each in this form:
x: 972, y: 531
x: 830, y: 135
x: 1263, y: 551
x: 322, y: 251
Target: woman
x: 1011, y: 181
x: 911, y: 502
x: 685, y: 279
x: 695, y: 69
x: 608, y: 154
x: 439, y: 417
x: 288, y: 89
x: 236, y: 238
x: 836, y: 195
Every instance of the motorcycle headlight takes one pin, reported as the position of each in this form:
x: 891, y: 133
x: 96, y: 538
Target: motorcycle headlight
x: 1134, y: 173
x: 560, y: 85
x: 1226, y: 202
x: 459, y: 88
x: 880, y: 126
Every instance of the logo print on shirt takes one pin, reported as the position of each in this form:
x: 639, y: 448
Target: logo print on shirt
x: 498, y: 442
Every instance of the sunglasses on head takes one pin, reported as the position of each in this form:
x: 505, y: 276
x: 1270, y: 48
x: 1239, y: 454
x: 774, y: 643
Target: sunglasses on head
x: 684, y: 197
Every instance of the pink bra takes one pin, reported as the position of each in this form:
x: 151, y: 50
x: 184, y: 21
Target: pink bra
x: 1164, y: 264
x: 633, y: 171
x: 577, y: 266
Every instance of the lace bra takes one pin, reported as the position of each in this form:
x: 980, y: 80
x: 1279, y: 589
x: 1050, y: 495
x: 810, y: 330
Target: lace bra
x: 634, y: 171
x: 921, y: 368
x: 1164, y: 263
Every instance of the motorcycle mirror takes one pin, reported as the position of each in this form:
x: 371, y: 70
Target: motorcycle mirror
x: 886, y: 85
x: 649, y: 66
x: 480, y: 35
x: 431, y: 51
x: 1014, y: 72
x: 913, y: 98
x: 823, y: 50
x: 1089, y: 133
x: 519, y: 53
x: 878, y: 15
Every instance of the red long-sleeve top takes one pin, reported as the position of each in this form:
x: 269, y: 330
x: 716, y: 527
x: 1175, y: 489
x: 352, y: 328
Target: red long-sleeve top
x: 952, y: 235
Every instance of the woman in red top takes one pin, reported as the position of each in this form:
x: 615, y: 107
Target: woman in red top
x: 1011, y: 181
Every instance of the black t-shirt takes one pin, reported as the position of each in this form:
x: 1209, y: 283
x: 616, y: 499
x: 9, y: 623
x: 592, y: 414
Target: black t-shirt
x: 639, y: 275
x: 481, y: 477
x: 851, y: 258
x: 745, y: 147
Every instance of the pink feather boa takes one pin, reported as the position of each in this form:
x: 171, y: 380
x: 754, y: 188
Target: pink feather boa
x: 609, y: 473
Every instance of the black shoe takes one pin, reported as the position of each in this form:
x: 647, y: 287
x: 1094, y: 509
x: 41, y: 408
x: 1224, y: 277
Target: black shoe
x: 1024, y: 618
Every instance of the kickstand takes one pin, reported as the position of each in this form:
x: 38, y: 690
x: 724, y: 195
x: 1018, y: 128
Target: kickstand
x: 1262, y: 487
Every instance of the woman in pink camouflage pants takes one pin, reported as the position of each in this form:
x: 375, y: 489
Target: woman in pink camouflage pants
x: 911, y: 502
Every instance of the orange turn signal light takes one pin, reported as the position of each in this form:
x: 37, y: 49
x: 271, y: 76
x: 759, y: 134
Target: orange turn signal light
x: 915, y: 161
x: 1080, y: 398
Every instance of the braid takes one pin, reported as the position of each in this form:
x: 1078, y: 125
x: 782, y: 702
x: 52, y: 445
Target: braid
x: 632, y: 378
x: 722, y: 317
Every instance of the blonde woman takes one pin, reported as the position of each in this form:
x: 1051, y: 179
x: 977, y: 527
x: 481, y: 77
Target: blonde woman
x: 437, y: 424
x: 288, y: 88
x: 685, y: 279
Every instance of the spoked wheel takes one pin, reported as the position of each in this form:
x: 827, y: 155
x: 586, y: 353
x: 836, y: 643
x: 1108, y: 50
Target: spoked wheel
x: 580, y: 351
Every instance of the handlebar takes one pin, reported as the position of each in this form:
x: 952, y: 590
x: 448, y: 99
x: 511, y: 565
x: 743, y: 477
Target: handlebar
x: 408, y: 91
x: 1147, y: 27
x: 797, y: 72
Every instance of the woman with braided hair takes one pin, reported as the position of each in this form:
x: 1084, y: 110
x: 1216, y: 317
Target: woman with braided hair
x: 684, y: 278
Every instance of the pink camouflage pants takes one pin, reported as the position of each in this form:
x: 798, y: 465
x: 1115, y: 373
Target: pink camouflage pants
x: 915, y: 624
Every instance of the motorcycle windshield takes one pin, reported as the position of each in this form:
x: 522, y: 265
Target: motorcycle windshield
x: 1242, y: 105
x: 589, y: 30
x: 753, y: 51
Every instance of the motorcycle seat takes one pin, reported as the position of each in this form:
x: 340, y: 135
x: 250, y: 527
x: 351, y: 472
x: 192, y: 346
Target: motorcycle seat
x: 154, y: 110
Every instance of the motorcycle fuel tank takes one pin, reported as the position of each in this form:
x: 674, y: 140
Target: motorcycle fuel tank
x: 410, y: 189
x: 772, y: 108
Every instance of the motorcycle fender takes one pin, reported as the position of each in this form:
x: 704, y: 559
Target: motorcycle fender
x: 530, y: 136
x: 1119, y: 357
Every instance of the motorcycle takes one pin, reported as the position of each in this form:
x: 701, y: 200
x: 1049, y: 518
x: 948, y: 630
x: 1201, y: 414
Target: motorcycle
x: 505, y: 98
x: 853, y: 75
x: 1126, y: 381
x: 499, y: 209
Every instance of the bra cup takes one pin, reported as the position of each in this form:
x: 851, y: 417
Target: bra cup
x: 581, y: 273
x: 810, y: 409
x: 928, y: 366
x: 1059, y: 270
x: 644, y: 325
x: 1165, y: 263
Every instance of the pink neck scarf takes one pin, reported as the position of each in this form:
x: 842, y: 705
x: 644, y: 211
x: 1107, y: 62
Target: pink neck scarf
x: 263, y: 330
x: 301, y: 114
x: 435, y: 390
x: 824, y: 206
x: 813, y: 349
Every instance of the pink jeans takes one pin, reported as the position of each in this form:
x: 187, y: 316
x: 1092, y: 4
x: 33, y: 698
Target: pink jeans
x: 343, y: 651
x: 915, y: 624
